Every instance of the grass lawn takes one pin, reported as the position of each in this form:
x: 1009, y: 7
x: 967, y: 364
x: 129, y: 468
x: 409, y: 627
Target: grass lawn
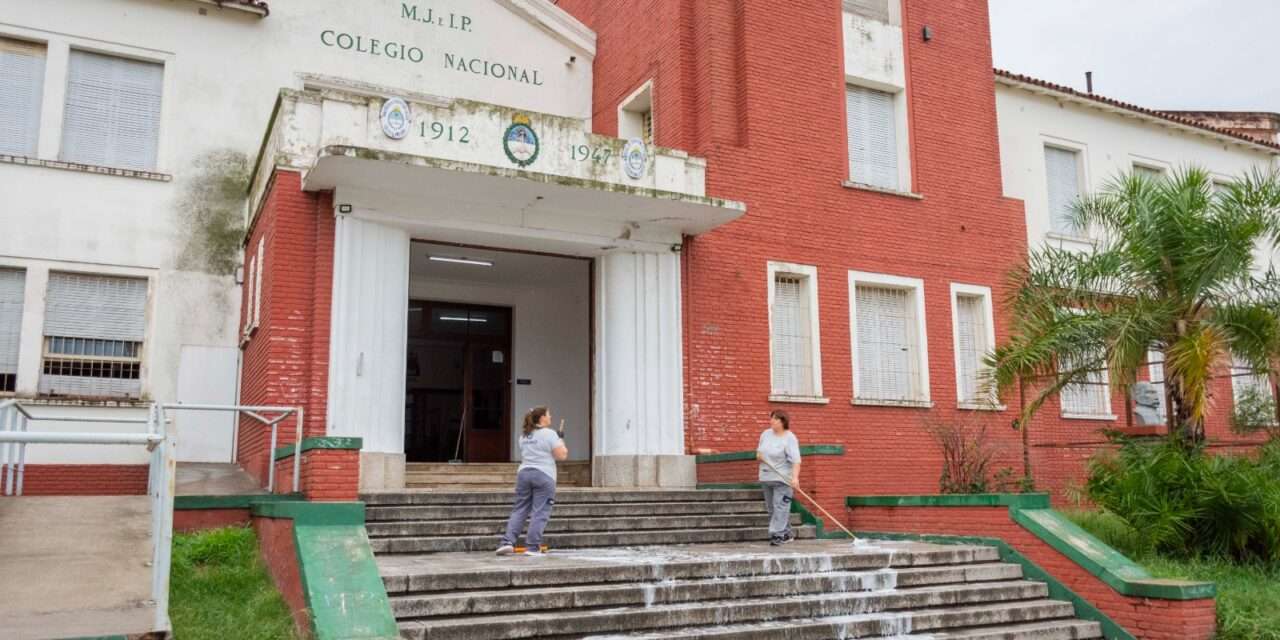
x: 1248, y: 595
x: 219, y: 589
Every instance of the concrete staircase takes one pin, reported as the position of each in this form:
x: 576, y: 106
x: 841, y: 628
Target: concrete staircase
x: 490, y: 476
x: 435, y: 522
x: 687, y: 565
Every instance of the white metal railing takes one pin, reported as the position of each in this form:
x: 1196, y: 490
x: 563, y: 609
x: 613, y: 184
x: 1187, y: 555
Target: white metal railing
x: 158, y: 438
x: 257, y: 413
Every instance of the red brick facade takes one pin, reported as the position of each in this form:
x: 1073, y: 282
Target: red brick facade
x: 1146, y: 618
x: 280, y: 554
x: 286, y: 359
x: 757, y: 88
x: 327, y: 475
x: 84, y: 479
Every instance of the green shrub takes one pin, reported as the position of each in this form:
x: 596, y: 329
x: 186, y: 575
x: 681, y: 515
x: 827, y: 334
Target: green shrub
x: 1188, y: 503
x: 1254, y: 410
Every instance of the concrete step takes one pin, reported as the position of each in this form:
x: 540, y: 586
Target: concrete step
x: 563, y: 496
x: 616, y: 538
x: 562, y: 510
x: 1052, y: 630
x: 1036, y: 620
x: 1019, y: 601
x: 577, y: 596
x: 561, y: 524
x: 404, y: 574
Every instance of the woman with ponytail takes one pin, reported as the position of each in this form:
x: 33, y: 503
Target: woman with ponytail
x: 540, y: 448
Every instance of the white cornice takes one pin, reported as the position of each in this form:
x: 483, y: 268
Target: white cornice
x: 557, y: 22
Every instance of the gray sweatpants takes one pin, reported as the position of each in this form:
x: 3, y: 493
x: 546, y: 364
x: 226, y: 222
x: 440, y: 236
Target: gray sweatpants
x: 777, y: 500
x: 536, y: 492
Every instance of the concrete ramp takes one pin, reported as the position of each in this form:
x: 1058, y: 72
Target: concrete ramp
x: 75, y: 567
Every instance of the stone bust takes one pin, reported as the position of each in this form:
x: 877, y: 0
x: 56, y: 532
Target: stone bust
x: 1146, y: 399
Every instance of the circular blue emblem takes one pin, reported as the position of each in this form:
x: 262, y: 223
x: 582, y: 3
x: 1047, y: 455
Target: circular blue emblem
x: 635, y: 158
x: 520, y: 142
x: 395, y: 118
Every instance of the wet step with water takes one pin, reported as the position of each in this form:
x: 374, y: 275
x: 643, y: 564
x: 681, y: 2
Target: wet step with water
x: 687, y: 564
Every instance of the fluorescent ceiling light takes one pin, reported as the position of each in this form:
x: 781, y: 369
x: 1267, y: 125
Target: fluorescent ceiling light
x: 478, y: 263
x: 462, y: 319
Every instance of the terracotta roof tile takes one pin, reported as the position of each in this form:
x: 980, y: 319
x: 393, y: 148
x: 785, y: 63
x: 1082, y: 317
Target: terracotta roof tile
x: 1163, y: 115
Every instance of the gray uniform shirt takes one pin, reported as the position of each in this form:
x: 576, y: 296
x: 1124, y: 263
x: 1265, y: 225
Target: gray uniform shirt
x: 781, y: 451
x: 535, y: 451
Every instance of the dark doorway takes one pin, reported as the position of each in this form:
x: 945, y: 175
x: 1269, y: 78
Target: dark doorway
x: 458, y: 383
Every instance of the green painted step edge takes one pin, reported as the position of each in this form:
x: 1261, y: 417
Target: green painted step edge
x: 1030, y: 570
x: 1109, y: 565
x: 1012, y: 500
x: 326, y: 442
x: 245, y: 501
x: 340, y: 579
x: 1031, y: 512
x: 312, y: 513
x: 734, y: 456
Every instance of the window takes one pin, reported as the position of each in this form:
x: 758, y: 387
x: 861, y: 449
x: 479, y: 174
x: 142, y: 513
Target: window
x: 1155, y: 375
x: 12, y: 289
x: 21, y: 89
x: 112, y: 113
x: 635, y: 115
x: 874, y: 9
x: 889, y: 353
x: 1062, y: 173
x: 1245, y: 380
x: 1090, y: 398
x: 873, y: 138
x: 93, y: 330
x: 793, y: 332
x: 975, y: 338
x: 1151, y: 173
x: 253, y: 289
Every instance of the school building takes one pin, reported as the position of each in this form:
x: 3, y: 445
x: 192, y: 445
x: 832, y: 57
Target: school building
x: 663, y: 219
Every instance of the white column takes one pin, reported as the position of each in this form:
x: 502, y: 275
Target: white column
x: 367, y: 343
x: 639, y: 439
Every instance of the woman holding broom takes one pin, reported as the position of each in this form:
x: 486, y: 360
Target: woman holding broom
x: 540, y: 448
x: 779, y: 456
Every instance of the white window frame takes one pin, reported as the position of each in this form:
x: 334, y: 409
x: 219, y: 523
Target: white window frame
x: 144, y: 347
x: 810, y: 274
x: 988, y: 310
x: 902, y: 137
x: 631, y: 114
x: 915, y: 287
x: 260, y: 257
x: 1082, y: 185
x: 1155, y: 364
x: 1137, y: 162
x: 22, y: 274
x: 1239, y: 381
x: 58, y: 52
x: 38, y: 93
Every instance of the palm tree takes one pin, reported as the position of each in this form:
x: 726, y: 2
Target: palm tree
x: 1171, y: 272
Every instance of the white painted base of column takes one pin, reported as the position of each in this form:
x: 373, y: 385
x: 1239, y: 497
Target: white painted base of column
x: 381, y: 471
x: 645, y: 471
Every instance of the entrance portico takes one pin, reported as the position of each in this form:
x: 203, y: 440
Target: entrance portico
x: 499, y: 180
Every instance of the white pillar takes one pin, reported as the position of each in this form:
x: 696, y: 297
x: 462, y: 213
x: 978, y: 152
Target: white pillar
x: 639, y: 439
x: 367, y: 344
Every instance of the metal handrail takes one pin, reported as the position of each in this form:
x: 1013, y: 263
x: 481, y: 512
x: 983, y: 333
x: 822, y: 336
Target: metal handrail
x: 255, y: 412
x: 158, y: 439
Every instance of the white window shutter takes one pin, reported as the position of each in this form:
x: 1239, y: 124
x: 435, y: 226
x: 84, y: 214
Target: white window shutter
x: 12, y: 289
x: 1062, y: 172
x: 872, y: 137
x: 21, y: 89
x: 971, y: 338
x: 792, y: 340
x: 112, y: 113
x: 257, y: 278
x: 250, y: 294
x: 887, y: 353
x: 96, y: 307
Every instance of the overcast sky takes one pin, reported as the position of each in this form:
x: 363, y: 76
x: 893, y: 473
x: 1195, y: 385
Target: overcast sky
x: 1162, y: 54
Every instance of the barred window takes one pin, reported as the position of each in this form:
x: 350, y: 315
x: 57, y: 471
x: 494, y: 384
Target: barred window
x: 12, y: 289
x: 1090, y: 397
x: 890, y: 356
x: 94, y: 331
x: 792, y: 330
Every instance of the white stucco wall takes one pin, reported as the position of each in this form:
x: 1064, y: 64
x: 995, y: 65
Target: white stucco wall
x: 1110, y: 143
x: 223, y: 71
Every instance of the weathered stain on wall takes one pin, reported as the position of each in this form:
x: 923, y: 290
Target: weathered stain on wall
x: 211, y: 211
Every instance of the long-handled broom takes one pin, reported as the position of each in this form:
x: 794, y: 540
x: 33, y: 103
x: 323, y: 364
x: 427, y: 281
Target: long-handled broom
x: 786, y: 481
